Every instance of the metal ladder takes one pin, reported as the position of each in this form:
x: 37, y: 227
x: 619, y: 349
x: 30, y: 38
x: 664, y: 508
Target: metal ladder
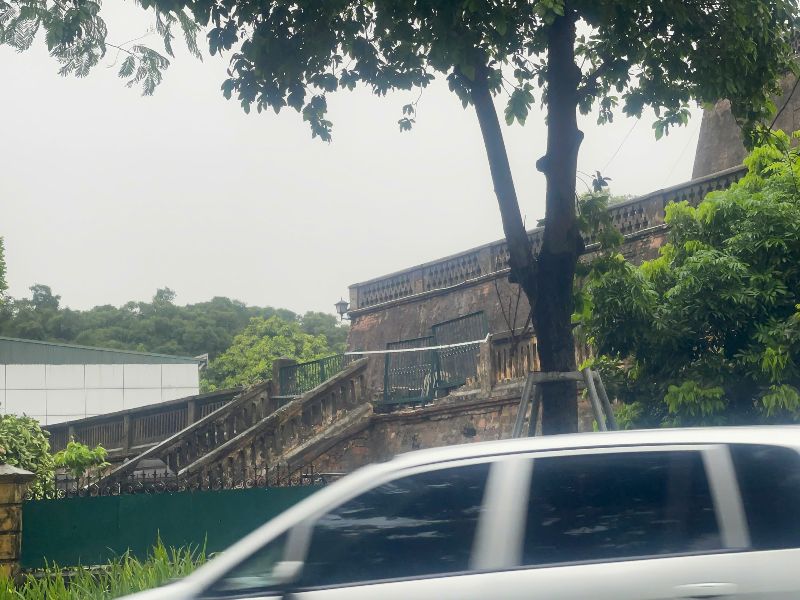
x: 532, y: 393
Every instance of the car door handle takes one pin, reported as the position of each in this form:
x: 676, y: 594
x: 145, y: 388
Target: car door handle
x: 706, y: 590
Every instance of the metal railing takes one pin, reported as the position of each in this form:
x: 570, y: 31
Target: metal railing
x: 297, y: 379
x: 409, y: 377
x: 458, y: 366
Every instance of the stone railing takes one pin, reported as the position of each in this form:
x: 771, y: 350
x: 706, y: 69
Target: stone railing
x: 130, y: 431
x: 632, y: 218
x: 512, y: 357
x: 205, y: 434
x: 269, y: 443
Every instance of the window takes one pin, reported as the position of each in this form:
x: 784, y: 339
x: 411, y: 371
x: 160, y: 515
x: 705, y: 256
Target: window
x: 606, y: 506
x: 254, y: 574
x: 769, y: 480
x: 423, y: 524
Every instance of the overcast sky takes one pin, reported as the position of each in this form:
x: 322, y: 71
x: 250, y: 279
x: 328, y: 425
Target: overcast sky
x: 107, y: 196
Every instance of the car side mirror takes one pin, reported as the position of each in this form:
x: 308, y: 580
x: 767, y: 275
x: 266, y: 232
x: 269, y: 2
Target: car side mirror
x: 286, y: 571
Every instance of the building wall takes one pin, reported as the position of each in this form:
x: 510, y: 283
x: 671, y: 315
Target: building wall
x: 56, y: 393
x: 459, y: 419
x: 720, y: 144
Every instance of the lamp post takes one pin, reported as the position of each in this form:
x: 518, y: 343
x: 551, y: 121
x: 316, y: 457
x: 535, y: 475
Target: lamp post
x: 341, y: 308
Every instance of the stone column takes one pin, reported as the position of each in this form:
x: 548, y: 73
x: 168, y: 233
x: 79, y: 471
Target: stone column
x: 13, y: 483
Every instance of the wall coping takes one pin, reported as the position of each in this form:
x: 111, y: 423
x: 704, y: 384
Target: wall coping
x: 485, y: 253
x: 12, y: 474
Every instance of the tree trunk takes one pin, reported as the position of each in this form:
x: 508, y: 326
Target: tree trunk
x: 562, y: 243
x: 547, y: 280
x: 521, y: 261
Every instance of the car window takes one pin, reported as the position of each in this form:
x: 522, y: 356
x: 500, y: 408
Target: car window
x: 422, y: 524
x: 769, y: 481
x: 254, y: 575
x: 609, y: 506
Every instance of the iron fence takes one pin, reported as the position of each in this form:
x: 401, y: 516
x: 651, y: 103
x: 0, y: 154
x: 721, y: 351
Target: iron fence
x: 294, y: 380
x: 165, y: 482
x: 458, y: 366
x: 409, y: 377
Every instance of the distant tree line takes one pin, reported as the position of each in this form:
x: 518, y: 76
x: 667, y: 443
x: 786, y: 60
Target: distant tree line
x: 264, y: 333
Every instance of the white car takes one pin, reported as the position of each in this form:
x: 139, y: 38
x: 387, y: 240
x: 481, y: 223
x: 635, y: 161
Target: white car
x: 681, y: 513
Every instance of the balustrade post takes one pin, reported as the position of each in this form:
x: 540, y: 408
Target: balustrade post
x: 13, y: 483
x: 277, y: 365
x: 191, y: 411
x: 485, y: 373
x: 127, y: 433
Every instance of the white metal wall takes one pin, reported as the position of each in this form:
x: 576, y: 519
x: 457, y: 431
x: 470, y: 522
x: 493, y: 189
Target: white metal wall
x: 56, y: 393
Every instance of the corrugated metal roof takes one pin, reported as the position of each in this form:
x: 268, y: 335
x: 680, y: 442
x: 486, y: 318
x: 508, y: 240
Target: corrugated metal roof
x: 33, y: 352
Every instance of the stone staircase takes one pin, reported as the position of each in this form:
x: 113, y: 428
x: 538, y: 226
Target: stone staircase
x: 258, y: 434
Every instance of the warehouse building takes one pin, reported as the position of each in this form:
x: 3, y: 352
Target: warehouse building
x: 60, y: 382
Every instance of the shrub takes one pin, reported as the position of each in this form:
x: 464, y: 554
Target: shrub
x: 119, y: 577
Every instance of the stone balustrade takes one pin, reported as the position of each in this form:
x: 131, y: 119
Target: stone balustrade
x: 205, y: 434
x: 269, y: 443
x: 133, y: 430
x: 633, y: 218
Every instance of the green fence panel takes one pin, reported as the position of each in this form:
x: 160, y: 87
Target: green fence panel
x: 89, y: 531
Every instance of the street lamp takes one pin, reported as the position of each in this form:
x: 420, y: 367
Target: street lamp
x: 341, y: 308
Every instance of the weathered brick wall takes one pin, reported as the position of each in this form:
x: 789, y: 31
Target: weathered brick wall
x: 458, y: 419
x: 500, y: 300
x: 413, y: 318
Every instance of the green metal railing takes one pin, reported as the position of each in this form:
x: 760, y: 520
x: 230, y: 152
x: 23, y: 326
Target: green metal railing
x: 294, y: 380
x: 456, y: 366
x: 415, y: 377
x: 409, y: 377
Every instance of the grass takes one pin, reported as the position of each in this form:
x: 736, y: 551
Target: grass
x: 119, y: 577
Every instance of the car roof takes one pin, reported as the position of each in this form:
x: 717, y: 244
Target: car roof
x: 780, y: 435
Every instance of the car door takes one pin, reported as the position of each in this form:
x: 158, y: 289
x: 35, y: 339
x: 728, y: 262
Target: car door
x: 413, y: 530
x: 410, y: 537
x: 769, y: 480
x: 650, y: 523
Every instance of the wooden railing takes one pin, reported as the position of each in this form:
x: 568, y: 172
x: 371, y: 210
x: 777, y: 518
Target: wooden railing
x: 267, y: 443
x: 214, y: 429
x: 130, y: 431
x: 632, y: 218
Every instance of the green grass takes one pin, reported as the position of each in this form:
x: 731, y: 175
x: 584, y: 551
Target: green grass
x: 119, y: 577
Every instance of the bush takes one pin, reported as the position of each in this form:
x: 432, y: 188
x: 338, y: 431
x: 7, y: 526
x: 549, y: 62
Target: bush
x: 24, y: 444
x: 120, y: 577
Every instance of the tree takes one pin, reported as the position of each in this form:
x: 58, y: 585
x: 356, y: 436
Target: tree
x: 580, y: 54
x: 156, y: 326
x: 660, y: 54
x: 709, y: 332
x: 23, y: 444
x: 250, y: 357
x: 79, y: 460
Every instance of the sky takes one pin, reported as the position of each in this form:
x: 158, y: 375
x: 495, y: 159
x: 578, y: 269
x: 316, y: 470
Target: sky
x: 106, y: 195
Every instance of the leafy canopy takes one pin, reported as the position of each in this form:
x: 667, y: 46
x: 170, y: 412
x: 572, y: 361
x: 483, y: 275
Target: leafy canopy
x: 75, y: 34
x: 709, y: 332
x: 78, y: 459
x: 250, y: 357
x: 24, y: 444
x: 156, y: 326
x: 295, y: 52
x: 633, y: 53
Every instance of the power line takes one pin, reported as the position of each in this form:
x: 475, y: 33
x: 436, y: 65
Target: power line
x: 621, y: 144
